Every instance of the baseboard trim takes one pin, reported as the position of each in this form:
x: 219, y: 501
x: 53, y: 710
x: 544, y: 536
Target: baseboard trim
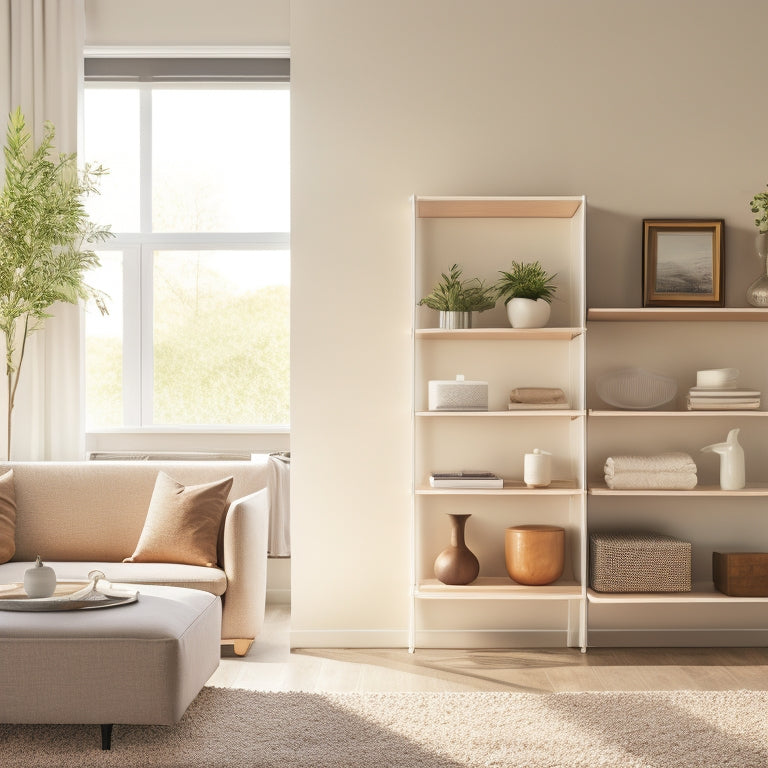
x: 683, y: 638
x: 383, y: 638
x: 349, y: 638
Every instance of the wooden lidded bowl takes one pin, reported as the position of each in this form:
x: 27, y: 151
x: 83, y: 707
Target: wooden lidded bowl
x: 534, y: 554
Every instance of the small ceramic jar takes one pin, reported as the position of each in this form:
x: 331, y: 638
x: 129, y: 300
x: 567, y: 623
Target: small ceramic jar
x: 40, y: 580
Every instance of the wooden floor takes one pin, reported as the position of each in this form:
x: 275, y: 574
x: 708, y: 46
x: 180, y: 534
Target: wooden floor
x: 272, y: 666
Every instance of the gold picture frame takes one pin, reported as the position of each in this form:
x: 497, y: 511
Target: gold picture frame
x: 683, y: 262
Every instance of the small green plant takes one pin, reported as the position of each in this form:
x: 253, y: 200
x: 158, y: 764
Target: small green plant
x: 45, y: 240
x: 452, y: 294
x: 759, y: 204
x: 525, y: 281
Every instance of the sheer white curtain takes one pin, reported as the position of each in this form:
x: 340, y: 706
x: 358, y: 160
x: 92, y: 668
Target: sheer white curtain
x: 41, y: 60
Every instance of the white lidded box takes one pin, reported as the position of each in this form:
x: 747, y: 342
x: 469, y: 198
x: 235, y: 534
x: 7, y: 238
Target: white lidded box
x: 458, y: 395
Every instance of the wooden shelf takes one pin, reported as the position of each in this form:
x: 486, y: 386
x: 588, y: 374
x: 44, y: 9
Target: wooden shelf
x: 678, y: 314
x: 497, y: 207
x: 702, y: 592
x: 498, y: 334
x: 514, y: 414
x: 511, y: 488
x: 497, y: 588
x: 752, y: 489
x: 679, y: 414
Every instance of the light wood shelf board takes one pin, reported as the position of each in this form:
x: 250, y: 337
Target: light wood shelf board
x: 498, y: 334
x: 678, y: 414
x: 551, y: 412
x: 702, y: 592
x: 511, y: 488
x: 752, y: 489
x: 497, y: 588
x: 497, y: 207
x: 679, y: 314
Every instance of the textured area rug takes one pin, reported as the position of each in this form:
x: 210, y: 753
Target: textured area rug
x: 245, y: 729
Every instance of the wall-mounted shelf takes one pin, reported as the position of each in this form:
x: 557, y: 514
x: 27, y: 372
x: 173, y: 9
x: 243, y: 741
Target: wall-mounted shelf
x: 498, y: 334
x: 679, y: 342
x: 678, y: 314
x: 702, y: 592
x: 528, y: 413
x: 678, y: 414
x: 498, y: 588
x: 753, y: 489
x: 510, y: 488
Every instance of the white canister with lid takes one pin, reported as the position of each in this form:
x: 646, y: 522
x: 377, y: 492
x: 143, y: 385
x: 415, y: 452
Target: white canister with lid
x: 39, y: 580
x: 537, y: 469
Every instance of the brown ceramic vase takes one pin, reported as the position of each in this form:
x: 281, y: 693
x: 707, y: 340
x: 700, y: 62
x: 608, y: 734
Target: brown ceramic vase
x: 535, y: 554
x: 456, y: 564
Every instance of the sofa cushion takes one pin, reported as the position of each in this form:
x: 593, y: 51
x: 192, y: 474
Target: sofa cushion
x: 183, y: 523
x: 7, y: 517
x: 212, y: 580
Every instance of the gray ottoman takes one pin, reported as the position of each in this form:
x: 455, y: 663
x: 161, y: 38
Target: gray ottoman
x: 142, y: 663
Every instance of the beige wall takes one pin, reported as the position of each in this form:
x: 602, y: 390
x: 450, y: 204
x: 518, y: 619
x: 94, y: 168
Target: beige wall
x: 186, y: 22
x: 650, y: 108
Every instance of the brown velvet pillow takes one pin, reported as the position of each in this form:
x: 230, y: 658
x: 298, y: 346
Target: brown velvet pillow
x: 7, y: 517
x: 183, y: 522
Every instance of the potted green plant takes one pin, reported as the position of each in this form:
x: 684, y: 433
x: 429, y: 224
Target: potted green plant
x: 45, y: 240
x: 456, y: 298
x: 527, y: 290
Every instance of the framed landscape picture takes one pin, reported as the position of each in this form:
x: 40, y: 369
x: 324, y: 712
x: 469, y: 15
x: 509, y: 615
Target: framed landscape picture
x: 683, y: 263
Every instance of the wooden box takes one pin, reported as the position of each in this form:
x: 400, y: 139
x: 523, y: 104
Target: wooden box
x: 741, y: 574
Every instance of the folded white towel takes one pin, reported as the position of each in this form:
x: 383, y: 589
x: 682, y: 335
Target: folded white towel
x: 637, y: 481
x: 663, y: 462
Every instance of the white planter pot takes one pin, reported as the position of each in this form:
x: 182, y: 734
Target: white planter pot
x: 527, y: 313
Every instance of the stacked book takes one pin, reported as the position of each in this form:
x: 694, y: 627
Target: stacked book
x: 725, y: 399
x: 465, y: 479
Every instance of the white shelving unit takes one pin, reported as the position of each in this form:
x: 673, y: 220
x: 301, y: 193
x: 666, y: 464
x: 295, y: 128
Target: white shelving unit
x: 484, y: 235
x: 678, y: 342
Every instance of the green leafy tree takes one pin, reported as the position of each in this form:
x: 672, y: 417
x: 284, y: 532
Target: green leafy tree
x: 45, y: 240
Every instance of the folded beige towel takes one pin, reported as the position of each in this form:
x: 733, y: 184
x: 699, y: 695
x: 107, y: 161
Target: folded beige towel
x: 663, y: 462
x: 637, y: 481
x: 537, y: 395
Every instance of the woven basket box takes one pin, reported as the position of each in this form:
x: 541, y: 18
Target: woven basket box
x: 639, y: 562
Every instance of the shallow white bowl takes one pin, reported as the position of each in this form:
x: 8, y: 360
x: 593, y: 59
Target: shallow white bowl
x: 635, y: 389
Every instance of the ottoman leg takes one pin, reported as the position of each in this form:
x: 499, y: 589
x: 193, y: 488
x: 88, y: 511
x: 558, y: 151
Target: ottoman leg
x: 106, y: 736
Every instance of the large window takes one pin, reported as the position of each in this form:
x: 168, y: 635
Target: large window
x: 198, y: 273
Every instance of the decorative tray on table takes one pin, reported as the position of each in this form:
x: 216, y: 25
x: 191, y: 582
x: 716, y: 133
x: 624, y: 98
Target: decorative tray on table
x: 68, y: 596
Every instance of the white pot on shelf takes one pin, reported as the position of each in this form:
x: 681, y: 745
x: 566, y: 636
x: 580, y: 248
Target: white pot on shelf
x: 528, y: 313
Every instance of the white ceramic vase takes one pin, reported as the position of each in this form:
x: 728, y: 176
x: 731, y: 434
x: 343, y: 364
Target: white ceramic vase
x: 528, y: 313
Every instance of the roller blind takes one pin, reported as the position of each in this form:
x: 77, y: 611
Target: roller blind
x: 189, y: 70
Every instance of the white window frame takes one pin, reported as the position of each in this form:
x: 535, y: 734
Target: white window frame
x: 138, y: 254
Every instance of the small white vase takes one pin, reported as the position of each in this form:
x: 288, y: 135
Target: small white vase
x: 527, y: 313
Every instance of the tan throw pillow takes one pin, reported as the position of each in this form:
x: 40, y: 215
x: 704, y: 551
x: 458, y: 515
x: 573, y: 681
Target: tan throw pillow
x: 7, y: 517
x: 182, y: 524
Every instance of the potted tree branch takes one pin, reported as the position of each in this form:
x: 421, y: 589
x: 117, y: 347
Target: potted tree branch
x: 527, y: 291
x: 456, y: 298
x: 46, y: 240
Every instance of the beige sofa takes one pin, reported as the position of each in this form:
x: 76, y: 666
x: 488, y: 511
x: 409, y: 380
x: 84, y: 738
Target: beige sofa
x: 80, y: 516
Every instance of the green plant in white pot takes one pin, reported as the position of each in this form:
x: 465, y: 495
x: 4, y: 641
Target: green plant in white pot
x: 527, y: 290
x: 456, y: 298
x: 45, y: 240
